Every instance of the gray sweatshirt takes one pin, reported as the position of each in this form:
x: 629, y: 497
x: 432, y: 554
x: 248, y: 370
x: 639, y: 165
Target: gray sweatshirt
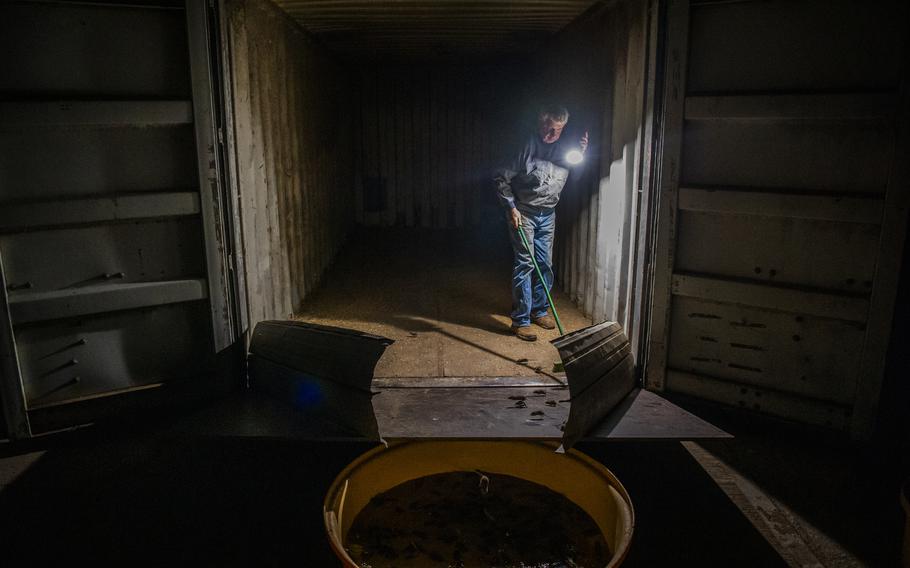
x: 536, y: 177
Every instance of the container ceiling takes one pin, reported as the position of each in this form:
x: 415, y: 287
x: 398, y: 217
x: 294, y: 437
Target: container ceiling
x: 432, y: 29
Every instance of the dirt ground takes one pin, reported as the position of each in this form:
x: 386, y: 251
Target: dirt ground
x: 443, y: 296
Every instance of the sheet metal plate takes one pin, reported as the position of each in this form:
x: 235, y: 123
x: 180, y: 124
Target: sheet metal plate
x: 481, y: 407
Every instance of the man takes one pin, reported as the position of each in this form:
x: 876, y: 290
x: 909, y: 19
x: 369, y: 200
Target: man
x: 529, y: 190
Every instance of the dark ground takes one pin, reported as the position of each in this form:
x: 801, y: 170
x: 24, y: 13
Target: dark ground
x: 845, y: 491
x: 151, y: 497
x: 173, y: 491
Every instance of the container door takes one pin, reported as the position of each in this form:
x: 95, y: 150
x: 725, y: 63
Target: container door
x: 783, y: 200
x: 114, y: 259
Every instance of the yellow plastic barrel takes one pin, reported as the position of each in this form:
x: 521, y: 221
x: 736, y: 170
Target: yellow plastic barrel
x: 584, y: 481
x: 905, y: 503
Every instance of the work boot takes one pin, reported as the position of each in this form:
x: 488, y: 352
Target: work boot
x: 545, y: 321
x: 524, y: 333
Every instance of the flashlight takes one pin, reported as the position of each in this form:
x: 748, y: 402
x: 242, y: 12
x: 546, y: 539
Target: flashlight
x: 574, y: 157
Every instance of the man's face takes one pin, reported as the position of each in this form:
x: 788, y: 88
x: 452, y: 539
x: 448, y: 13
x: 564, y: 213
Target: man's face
x: 549, y: 130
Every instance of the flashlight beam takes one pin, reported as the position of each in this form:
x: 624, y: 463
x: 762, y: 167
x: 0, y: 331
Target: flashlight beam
x: 574, y: 157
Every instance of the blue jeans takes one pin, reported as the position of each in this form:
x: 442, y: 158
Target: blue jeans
x: 529, y: 300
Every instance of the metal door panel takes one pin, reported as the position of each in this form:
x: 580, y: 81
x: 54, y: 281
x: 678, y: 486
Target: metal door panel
x: 109, y: 208
x: 783, y: 210
x: 779, y: 250
x: 795, y: 45
x: 112, y: 352
x: 56, y: 162
x: 111, y: 214
x: 12, y: 394
x: 769, y: 349
x: 141, y: 251
x: 776, y: 403
x: 217, y: 216
x: 81, y: 50
x: 851, y: 157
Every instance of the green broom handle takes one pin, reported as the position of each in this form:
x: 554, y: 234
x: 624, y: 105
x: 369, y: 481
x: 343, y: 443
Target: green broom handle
x: 542, y: 281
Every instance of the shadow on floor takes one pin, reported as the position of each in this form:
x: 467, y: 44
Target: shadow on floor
x: 848, y: 492
x: 400, y: 276
x: 443, y: 295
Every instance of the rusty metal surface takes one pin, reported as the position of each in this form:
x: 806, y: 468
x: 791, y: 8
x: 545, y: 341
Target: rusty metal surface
x: 405, y: 29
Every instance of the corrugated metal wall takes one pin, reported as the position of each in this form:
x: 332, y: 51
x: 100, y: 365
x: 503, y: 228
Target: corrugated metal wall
x: 432, y: 30
x: 295, y: 160
x: 596, y: 67
x: 428, y: 140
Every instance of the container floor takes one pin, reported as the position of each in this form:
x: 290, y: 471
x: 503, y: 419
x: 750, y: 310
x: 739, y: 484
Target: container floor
x: 443, y: 296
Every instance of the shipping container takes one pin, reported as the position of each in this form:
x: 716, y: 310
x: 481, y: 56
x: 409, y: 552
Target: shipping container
x: 172, y: 174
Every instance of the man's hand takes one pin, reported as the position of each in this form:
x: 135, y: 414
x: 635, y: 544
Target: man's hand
x: 584, y: 142
x: 514, y: 218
